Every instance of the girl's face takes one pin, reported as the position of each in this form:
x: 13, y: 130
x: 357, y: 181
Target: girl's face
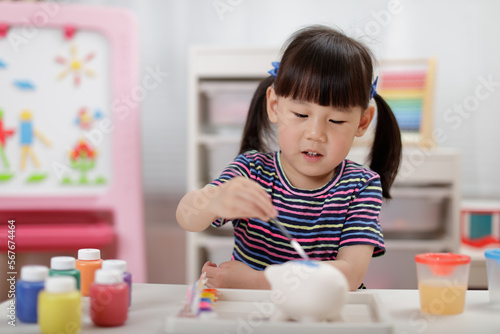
x: 314, y: 139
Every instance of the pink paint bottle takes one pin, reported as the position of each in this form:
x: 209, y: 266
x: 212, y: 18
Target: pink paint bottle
x: 109, y: 298
x: 121, y: 266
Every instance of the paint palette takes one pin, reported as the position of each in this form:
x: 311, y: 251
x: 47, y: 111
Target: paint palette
x: 250, y: 311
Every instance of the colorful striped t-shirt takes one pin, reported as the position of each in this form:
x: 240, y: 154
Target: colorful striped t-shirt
x: 341, y: 213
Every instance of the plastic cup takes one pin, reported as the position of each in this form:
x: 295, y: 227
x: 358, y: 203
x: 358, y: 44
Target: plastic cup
x: 493, y: 270
x: 442, y: 282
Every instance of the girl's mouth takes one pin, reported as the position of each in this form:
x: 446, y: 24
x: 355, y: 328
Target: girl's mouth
x: 311, y: 156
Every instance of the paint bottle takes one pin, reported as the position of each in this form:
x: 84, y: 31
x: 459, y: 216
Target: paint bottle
x: 121, y: 266
x: 27, y: 289
x: 59, y: 306
x: 108, y: 298
x: 64, y: 266
x: 89, y: 260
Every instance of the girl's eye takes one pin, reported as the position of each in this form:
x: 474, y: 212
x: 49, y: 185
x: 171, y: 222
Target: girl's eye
x: 336, y: 122
x: 300, y: 115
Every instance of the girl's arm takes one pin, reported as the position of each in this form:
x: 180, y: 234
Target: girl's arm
x: 237, y: 198
x: 193, y: 211
x: 353, y: 262
x: 234, y: 275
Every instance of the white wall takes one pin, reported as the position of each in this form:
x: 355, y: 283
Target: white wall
x: 461, y: 34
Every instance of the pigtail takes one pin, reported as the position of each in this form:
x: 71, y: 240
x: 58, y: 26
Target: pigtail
x: 385, y: 155
x: 257, y: 126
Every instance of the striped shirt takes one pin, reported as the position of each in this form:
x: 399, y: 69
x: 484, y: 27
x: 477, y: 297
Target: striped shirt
x: 341, y: 213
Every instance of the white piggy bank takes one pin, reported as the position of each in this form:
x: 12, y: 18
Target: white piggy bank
x: 307, y: 291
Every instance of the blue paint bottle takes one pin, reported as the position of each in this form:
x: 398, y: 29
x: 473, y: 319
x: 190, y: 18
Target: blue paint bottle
x: 27, y: 288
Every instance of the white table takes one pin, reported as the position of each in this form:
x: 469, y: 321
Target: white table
x: 151, y: 303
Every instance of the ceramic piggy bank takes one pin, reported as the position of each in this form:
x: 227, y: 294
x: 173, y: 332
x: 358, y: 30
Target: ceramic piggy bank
x: 307, y: 291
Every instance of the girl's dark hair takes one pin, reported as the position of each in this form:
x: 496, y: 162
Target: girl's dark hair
x: 257, y: 131
x: 321, y: 65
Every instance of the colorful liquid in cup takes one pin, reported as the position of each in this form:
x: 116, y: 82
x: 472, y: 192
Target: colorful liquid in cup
x: 442, y: 282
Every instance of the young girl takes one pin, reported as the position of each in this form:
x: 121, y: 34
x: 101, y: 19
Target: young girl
x: 319, y: 99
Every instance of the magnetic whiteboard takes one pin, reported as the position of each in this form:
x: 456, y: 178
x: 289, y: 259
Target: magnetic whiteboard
x: 39, y: 75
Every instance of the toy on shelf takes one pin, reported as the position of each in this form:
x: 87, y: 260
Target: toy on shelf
x: 4, y: 134
x: 480, y: 224
x: 76, y: 65
x: 408, y: 86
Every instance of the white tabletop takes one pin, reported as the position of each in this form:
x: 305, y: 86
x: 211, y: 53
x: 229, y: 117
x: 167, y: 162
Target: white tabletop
x: 151, y: 303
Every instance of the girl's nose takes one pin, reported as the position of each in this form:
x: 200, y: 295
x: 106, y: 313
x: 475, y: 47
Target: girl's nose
x: 316, y: 131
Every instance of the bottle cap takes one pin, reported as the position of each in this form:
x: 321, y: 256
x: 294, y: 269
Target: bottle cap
x: 492, y: 253
x: 34, y: 273
x: 60, y: 284
x: 62, y: 263
x: 120, y: 265
x: 108, y: 276
x: 89, y: 254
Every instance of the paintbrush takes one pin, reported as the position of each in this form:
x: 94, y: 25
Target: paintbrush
x: 295, y: 244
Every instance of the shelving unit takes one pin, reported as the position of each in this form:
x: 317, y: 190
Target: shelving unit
x: 216, y: 66
x: 429, y: 177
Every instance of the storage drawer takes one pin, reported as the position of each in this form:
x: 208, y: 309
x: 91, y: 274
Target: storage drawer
x: 218, y: 156
x: 420, y: 165
x: 227, y: 103
x: 413, y: 217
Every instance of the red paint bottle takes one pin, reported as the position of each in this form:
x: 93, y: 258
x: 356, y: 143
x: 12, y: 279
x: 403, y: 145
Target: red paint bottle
x: 109, y: 298
x: 121, y: 266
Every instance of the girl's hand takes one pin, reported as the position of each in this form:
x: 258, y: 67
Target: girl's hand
x: 242, y: 198
x: 234, y: 275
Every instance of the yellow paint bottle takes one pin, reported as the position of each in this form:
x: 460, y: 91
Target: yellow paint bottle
x: 59, y: 306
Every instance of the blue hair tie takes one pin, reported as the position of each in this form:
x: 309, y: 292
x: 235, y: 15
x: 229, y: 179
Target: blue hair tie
x: 274, y: 71
x: 373, y: 90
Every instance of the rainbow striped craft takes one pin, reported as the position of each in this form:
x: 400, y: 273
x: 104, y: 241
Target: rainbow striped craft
x: 405, y: 92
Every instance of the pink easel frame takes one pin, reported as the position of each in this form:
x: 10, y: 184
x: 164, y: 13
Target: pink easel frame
x: 123, y: 197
